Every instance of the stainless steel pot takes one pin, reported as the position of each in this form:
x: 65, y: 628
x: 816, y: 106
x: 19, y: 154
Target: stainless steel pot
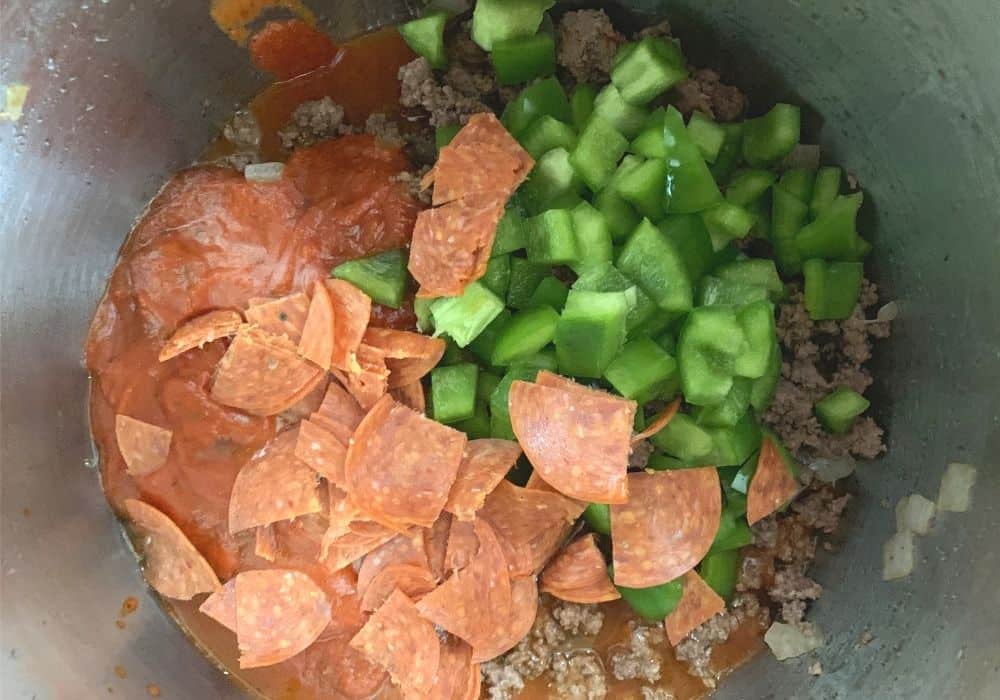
x: 124, y: 93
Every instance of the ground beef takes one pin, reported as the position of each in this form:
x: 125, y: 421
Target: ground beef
x: 821, y: 509
x: 792, y: 589
x: 412, y: 180
x: 705, y: 92
x: 445, y: 103
x: 313, y: 121
x: 696, y: 649
x: 640, y: 454
x: 384, y: 129
x: 243, y: 131
x: 578, y: 619
x: 655, y: 693
x: 641, y: 658
x: 661, y: 30
x: 586, y: 44
x: 579, y: 675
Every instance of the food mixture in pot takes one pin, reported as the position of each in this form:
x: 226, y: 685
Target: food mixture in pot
x: 496, y: 355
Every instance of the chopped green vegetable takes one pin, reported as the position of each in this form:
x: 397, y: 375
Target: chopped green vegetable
x: 748, y: 186
x: 593, y: 237
x: 621, y: 216
x: 643, y: 185
x: 831, y: 289
x: 641, y: 371
x: 735, y: 445
x: 825, y: 190
x: 730, y: 154
x: 833, y: 235
x: 707, y: 135
x: 720, y: 571
x: 512, y: 233
x: 799, y: 182
x: 444, y: 134
x: 422, y: 310
x: 788, y: 214
x: 714, y: 291
x: 605, y: 277
x: 453, y: 392
x: 544, y: 97
x: 647, y: 68
x: 768, y: 139
x: 499, y: 411
x: 726, y: 222
x: 757, y: 321
x: 727, y: 412
x: 551, y: 239
x: 653, y: 603
x: 710, y: 341
x: 597, y: 152
x: 486, y: 385
x: 525, y: 334
x: 627, y: 118
x: 520, y: 59
x: 754, y: 271
x: 651, y: 260
x: 382, y: 277
x: 838, y: 409
x: 690, y: 185
x: 464, y: 317
x: 482, y: 346
x: 690, y: 237
x: 546, y: 133
x: 499, y: 20
x: 763, y: 388
x: 426, y: 37
x: 684, y: 439
x: 551, y: 291
x: 525, y: 277
x: 598, y: 517
x: 552, y: 178
x: 733, y: 532
x: 497, y: 275
x: 590, y: 332
x: 478, y: 426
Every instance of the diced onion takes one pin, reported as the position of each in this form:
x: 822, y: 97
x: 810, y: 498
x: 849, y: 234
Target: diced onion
x: 956, y: 487
x: 887, y: 312
x: 914, y: 513
x: 804, y: 155
x: 263, y: 172
x: 897, y: 556
x: 834, y: 468
x: 789, y: 641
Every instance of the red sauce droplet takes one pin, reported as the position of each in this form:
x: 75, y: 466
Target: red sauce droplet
x: 289, y: 48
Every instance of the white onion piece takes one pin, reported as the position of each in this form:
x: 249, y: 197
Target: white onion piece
x: 898, y: 556
x: 804, y: 155
x: 834, y: 468
x: 956, y: 487
x: 789, y: 641
x: 914, y: 513
x: 263, y: 172
x: 886, y: 313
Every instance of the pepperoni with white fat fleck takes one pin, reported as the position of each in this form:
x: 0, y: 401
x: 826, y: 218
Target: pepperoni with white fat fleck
x: 484, y: 465
x: 144, y: 446
x: 772, y: 485
x: 282, y: 316
x: 579, y: 574
x: 698, y: 604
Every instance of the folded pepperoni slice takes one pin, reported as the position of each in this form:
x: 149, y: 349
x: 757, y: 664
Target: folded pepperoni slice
x: 317, y: 340
x: 408, y: 356
x: 436, y: 544
x: 352, y: 310
x: 451, y: 245
x: 772, y: 485
x: 171, y: 563
x: 531, y: 524
x: 463, y: 545
x: 265, y: 543
x: 262, y: 374
x: 339, y: 413
x: 144, y: 446
x: 400, y: 465
x: 579, y: 574
x: 666, y: 527
x: 200, y: 331
x: 411, y: 395
x: 279, y: 612
x: 457, y: 675
x: 698, y: 604
x: 348, y: 547
x: 517, y: 624
x: 221, y: 605
x: 369, y: 381
x: 321, y: 450
x: 282, y: 316
x: 484, y: 465
x: 273, y: 485
x: 659, y: 422
x: 401, y: 641
x: 577, y: 439
x: 405, y: 549
x: 414, y: 581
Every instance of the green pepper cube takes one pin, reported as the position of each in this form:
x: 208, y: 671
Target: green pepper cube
x: 525, y: 277
x: 426, y: 37
x: 593, y: 237
x: 605, y: 277
x: 727, y: 412
x: 735, y: 445
x: 726, y: 222
x: 644, y: 186
x: 757, y: 321
x: 799, y: 181
x: 382, y: 277
x: 649, y: 143
x: 525, y: 334
x: 598, y: 517
x: 653, y: 603
x: 650, y: 259
x: 499, y: 20
x: 486, y: 385
x: 546, y: 133
x: 831, y: 289
x: 684, y: 439
x: 482, y: 346
x: 749, y: 186
x: 551, y: 239
x: 597, y: 152
x: 834, y: 235
x: 520, y: 59
x: 464, y: 317
x: 733, y: 532
x: 744, y: 474
x: 453, y: 355
x: 838, y: 409
x: 707, y: 135
x: 621, y: 216
x: 720, y: 570
x: 552, y: 178
x: 422, y: 310
x: 499, y: 410
x: 731, y: 153
x: 788, y: 215
x: 551, y: 291
x: 768, y: 139
x: 690, y: 237
x: 764, y: 387
x: 444, y: 134
x: 590, y: 332
x: 581, y: 104
x: 641, y: 371
x: 714, y: 291
x: 453, y: 392
x: 512, y: 233
x: 691, y: 188
x: 754, y: 271
x: 478, y: 426
x: 497, y: 275
x: 547, y: 96
x: 825, y: 190
x: 647, y: 68
x: 710, y: 341
x: 627, y: 118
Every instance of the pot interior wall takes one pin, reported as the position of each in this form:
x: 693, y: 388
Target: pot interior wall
x: 904, y: 94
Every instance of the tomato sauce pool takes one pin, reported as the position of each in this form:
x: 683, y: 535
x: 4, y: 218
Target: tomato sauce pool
x: 213, y: 240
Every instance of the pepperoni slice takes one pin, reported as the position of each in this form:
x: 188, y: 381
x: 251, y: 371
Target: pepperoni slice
x: 352, y: 310
x: 279, y: 612
x: 291, y: 47
x: 262, y: 374
x: 339, y: 413
x: 579, y: 574
x: 517, y: 624
x: 414, y: 581
x: 457, y: 674
x: 411, y: 395
x: 451, y: 245
x: 172, y: 565
x: 408, y: 356
x: 368, y: 382
x: 282, y: 316
x: 577, y: 439
x: 772, y: 485
x: 200, y: 331
x: 307, y: 405
x: 265, y: 543
x: 347, y: 548
x: 659, y: 422
x: 400, y: 465
x: 221, y: 605
x: 400, y: 550
x: 273, y: 485
x: 463, y: 545
x: 698, y: 604
x: 532, y: 524
x: 484, y: 465
x: 436, y: 544
x: 316, y: 343
x: 666, y: 527
x: 144, y: 446
x: 321, y: 450
x: 397, y: 638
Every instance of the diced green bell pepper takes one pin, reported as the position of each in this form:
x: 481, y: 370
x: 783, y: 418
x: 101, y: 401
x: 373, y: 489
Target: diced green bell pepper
x: 741, y: 482
x: 757, y: 321
x: 482, y: 346
x: 763, y: 388
x: 748, y: 186
x: 641, y: 371
x: 547, y: 96
x: 650, y: 259
x: 464, y: 317
x: 727, y: 222
x: 551, y: 291
x: 627, y: 118
x: 690, y: 185
x: 649, y: 143
x: 715, y: 291
x: 546, y: 133
x: 825, y: 190
x: 768, y: 139
x: 734, y: 445
x: 838, y: 410
x: 598, y: 517
x: 597, y: 152
x: 552, y: 178
x: 498, y: 20
x: 788, y: 215
x: 499, y: 410
x: 593, y: 237
x: 647, y: 68
x: 525, y: 334
x: 551, y: 238
x: 422, y: 310
x: 453, y: 355
x: 621, y: 216
x: 512, y: 233
x: 754, y: 271
x: 729, y: 411
x: 733, y: 532
x: 581, y: 104
x: 520, y: 59
x: 453, y: 392
x: 731, y: 153
x: 525, y: 277
x: 833, y: 235
x: 426, y: 37
x: 709, y: 343
x: 707, y: 135
x: 691, y: 239
x: 606, y: 277
x: 720, y: 570
x: 444, y: 134
x: 382, y: 277
x: 683, y: 438
x: 497, y: 275
x: 486, y: 385
x: 643, y: 186
x: 478, y: 426
x: 653, y: 603
x: 799, y: 181
x: 590, y: 332
x: 831, y: 289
